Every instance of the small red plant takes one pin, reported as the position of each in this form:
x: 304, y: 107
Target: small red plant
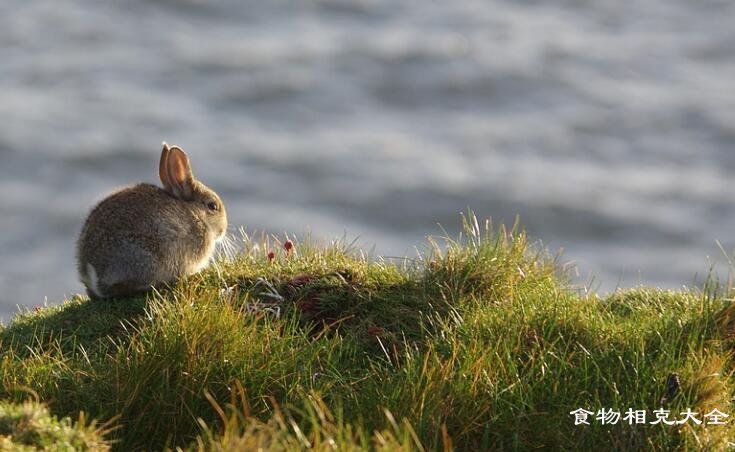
x: 271, y: 256
x: 309, y: 305
x: 375, y: 331
x: 289, y: 246
x: 301, y: 279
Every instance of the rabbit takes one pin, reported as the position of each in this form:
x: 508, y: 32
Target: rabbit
x: 144, y: 235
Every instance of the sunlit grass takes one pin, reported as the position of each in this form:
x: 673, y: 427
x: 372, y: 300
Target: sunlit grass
x: 479, y: 343
x: 28, y: 426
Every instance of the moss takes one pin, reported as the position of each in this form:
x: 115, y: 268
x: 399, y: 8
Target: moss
x: 29, y: 426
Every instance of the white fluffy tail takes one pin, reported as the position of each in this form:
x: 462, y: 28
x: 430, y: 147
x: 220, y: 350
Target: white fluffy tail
x: 92, y: 281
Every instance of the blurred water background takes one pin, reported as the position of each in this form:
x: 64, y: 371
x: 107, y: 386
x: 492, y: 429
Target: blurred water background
x: 608, y: 126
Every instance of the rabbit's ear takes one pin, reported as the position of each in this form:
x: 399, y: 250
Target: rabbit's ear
x: 162, y: 170
x: 179, y: 173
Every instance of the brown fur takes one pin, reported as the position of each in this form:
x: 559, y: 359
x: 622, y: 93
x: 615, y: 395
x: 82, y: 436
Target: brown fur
x: 144, y: 235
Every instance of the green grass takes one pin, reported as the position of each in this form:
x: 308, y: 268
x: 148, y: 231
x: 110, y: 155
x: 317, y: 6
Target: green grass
x: 478, y: 344
x: 29, y: 426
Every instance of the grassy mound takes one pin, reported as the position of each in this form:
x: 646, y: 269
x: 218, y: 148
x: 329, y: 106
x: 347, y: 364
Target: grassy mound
x: 479, y: 344
x: 29, y: 426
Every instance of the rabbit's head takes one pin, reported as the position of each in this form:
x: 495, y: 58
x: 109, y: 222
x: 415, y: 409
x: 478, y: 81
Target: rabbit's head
x: 178, y: 180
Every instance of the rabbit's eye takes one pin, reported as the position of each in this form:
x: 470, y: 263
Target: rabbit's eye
x: 211, y: 205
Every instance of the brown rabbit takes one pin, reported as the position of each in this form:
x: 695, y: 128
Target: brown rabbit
x: 144, y: 235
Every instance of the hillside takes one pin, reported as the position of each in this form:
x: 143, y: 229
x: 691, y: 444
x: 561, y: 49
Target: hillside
x: 480, y: 343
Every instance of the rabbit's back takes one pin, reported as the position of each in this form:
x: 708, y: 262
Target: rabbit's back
x: 138, y: 236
